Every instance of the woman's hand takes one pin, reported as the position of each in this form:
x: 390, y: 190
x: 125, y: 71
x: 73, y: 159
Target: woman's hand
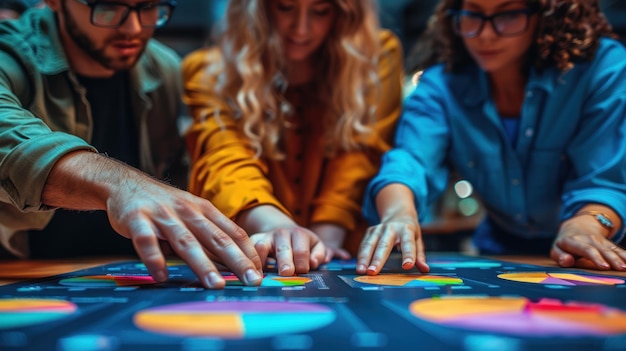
x: 332, y: 236
x: 582, y: 242
x: 296, y: 249
x: 379, y: 240
x: 399, y: 226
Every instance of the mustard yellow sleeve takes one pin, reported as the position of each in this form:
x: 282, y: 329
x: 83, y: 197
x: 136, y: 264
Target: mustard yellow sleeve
x: 224, y: 168
x: 347, y: 174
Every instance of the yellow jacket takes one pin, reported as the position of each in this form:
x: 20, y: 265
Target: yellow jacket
x: 308, y: 186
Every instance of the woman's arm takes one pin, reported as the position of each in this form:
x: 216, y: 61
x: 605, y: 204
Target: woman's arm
x: 584, y: 240
x: 227, y: 171
x: 399, y: 225
x: 346, y: 175
x: 597, y: 154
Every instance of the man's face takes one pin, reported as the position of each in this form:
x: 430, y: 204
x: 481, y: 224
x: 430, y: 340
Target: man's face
x: 113, y: 49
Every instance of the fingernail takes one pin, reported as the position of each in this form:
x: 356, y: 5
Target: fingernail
x: 213, y: 279
x: 284, y: 268
x: 371, y: 269
x: 252, y: 276
x: 160, y: 276
x: 360, y: 267
x: 408, y: 264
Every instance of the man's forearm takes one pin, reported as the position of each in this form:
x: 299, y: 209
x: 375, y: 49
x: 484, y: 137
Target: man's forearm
x: 82, y: 180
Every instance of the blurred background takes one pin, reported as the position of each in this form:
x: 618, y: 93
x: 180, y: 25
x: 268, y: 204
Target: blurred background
x: 193, y: 20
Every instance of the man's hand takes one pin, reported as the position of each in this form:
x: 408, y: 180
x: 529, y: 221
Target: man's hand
x: 146, y: 210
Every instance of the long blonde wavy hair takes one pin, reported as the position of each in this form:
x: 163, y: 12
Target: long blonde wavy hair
x: 253, y: 70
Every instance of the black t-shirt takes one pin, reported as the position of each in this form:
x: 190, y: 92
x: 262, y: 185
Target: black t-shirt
x: 74, y: 233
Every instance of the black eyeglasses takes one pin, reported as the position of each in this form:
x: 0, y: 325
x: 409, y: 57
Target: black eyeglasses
x: 110, y: 14
x: 505, y: 24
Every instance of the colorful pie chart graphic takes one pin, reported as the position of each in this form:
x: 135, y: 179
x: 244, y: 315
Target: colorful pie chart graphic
x: 337, y: 265
x: 107, y: 281
x: 269, y: 280
x: 234, y: 320
x: 521, y: 316
x: 445, y: 264
x: 408, y: 280
x: 571, y: 279
x: 168, y: 263
x: 17, y: 313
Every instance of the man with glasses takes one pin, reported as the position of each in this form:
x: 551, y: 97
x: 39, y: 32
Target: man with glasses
x: 89, y: 106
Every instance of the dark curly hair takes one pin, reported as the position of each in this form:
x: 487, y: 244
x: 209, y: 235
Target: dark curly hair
x: 567, y: 31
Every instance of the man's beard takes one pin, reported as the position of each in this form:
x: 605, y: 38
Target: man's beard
x: 98, y: 54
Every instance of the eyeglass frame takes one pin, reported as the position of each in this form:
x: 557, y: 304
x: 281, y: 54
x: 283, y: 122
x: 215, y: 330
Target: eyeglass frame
x: 137, y: 8
x: 456, y: 15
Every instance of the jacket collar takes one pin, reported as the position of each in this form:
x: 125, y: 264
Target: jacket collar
x: 472, y: 83
x: 33, y: 40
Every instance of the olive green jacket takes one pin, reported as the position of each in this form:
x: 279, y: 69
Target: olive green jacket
x: 44, y: 114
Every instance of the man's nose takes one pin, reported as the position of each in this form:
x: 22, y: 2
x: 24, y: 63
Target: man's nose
x: 132, y: 23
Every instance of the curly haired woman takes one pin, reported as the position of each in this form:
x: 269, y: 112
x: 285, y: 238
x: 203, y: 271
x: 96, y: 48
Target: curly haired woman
x: 526, y: 99
x: 292, y: 112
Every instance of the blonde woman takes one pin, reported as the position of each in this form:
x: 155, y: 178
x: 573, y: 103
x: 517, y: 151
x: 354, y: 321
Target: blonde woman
x: 292, y: 111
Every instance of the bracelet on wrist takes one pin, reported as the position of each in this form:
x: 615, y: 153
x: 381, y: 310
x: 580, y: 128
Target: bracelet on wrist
x: 602, y: 218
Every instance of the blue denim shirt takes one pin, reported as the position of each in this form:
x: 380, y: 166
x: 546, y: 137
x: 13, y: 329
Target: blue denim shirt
x: 570, y: 149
